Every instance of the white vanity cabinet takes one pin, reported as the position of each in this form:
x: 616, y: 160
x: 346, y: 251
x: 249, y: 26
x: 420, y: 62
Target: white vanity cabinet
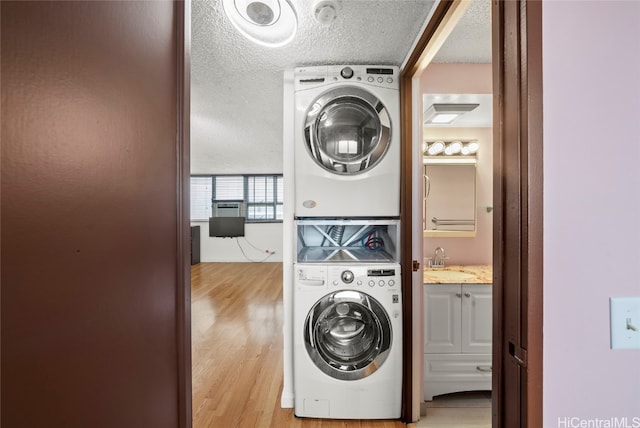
x: 457, y: 345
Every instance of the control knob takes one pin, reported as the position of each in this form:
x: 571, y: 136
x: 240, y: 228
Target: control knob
x: 346, y: 72
x: 347, y: 276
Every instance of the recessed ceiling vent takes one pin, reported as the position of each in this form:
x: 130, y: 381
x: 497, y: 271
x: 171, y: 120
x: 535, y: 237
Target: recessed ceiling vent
x: 445, y: 114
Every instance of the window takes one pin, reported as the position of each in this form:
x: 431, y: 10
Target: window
x: 201, y: 191
x: 264, y: 197
x: 259, y: 198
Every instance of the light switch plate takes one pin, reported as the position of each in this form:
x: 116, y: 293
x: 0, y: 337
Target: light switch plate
x: 625, y: 322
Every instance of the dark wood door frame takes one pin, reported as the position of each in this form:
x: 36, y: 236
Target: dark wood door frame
x: 409, y: 412
x: 517, y: 258
x: 517, y: 81
x: 183, y: 229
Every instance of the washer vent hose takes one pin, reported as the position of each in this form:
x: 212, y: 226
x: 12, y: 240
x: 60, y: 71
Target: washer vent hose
x: 336, y: 233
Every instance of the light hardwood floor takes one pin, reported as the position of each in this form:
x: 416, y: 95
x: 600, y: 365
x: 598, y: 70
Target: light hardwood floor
x: 459, y: 410
x: 237, y: 349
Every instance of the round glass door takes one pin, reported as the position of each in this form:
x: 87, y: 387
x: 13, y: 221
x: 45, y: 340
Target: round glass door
x: 348, y: 335
x: 347, y: 130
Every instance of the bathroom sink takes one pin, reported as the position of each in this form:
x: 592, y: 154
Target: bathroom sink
x: 448, y: 275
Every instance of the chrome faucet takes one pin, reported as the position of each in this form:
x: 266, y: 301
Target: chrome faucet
x: 438, y: 259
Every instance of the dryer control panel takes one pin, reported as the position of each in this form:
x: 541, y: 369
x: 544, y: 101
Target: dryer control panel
x: 385, y: 76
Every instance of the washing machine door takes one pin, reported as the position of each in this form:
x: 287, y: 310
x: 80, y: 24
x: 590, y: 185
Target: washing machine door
x: 348, y: 335
x: 347, y: 130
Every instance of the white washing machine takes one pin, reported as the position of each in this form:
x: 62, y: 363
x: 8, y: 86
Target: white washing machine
x: 347, y: 341
x: 347, y: 141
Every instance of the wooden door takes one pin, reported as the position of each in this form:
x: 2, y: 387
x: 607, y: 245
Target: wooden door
x: 517, y: 111
x: 95, y: 234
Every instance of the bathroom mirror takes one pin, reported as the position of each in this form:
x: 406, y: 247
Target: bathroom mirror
x: 449, y: 197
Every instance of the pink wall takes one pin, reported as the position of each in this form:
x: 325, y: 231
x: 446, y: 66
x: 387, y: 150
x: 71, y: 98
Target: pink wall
x: 591, y: 206
x: 476, y: 250
x: 456, y: 79
x: 466, y: 79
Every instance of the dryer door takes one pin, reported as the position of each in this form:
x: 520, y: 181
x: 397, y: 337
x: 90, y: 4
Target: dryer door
x: 347, y: 130
x: 348, y: 335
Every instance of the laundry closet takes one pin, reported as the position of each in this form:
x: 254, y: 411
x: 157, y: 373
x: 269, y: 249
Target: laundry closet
x: 343, y: 242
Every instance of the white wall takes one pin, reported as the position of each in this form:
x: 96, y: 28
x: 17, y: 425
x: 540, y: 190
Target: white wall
x: 264, y: 236
x: 591, y: 80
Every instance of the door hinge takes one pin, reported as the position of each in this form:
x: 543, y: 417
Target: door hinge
x: 415, y: 265
x: 519, y: 354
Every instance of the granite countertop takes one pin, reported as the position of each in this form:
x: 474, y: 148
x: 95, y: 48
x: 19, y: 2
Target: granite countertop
x: 459, y: 274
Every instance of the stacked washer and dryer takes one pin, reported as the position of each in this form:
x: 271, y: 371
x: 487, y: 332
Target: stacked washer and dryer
x: 347, y: 301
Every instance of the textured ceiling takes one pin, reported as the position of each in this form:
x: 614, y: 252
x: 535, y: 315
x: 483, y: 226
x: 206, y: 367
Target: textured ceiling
x: 237, y: 86
x: 470, y: 40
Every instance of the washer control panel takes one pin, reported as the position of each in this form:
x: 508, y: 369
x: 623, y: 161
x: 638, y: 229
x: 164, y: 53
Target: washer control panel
x: 364, y: 276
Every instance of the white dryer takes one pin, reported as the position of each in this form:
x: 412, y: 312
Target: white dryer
x: 347, y: 141
x: 347, y: 341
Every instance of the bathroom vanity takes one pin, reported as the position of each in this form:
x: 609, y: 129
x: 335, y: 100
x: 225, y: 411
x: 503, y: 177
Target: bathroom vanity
x: 458, y: 332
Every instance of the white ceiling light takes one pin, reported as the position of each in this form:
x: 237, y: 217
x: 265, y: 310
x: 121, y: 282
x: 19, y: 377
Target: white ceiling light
x: 326, y: 11
x: 445, y: 114
x: 271, y: 23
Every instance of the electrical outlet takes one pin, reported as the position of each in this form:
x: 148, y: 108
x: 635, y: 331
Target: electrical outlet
x: 625, y: 322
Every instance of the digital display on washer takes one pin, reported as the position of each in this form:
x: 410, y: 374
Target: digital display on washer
x: 381, y: 272
x: 317, y: 80
x: 379, y: 70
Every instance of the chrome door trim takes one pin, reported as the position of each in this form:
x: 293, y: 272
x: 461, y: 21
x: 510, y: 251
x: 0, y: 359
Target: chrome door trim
x: 332, y: 346
x: 358, y: 97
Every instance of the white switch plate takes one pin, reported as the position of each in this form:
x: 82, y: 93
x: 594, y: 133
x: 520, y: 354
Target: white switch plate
x: 625, y: 322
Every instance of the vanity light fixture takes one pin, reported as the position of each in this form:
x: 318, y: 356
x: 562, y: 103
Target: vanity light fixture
x: 446, y: 114
x: 454, y: 149
x: 271, y: 23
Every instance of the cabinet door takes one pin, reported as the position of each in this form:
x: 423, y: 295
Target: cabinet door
x: 476, y: 318
x: 442, y: 318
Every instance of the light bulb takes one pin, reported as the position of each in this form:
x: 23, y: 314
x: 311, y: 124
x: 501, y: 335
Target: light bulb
x: 473, y: 146
x: 436, y: 148
x: 453, y: 148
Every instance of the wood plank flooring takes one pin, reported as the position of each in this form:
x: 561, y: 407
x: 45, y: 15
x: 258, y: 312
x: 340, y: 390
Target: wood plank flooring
x: 237, y: 350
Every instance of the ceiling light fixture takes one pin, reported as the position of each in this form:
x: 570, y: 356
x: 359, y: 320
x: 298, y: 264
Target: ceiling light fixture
x: 271, y: 23
x: 445, y: 114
